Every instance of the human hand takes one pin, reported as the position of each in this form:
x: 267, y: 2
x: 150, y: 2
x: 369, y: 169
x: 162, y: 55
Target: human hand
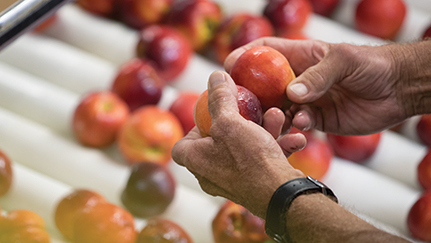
x: 241, y: 161
x: 340, y: 88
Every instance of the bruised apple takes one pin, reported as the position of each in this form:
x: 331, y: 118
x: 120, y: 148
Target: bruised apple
x: 423, y: 129
x: 6, y: 174
x: 159, y: 230
x: 235, y: 224
x: 324, y: 7
x: 149, y: 190
x: 149, y: 135
x: 381, y: 18
x: 238, y: 30
x: 314, y: 160
x: 98, y: 117
x: 138, y: 84
x: 140, y: 13
x: 198, y: 20
x: 165, y: 48
x: 288, y: 15
x: 183, y: 107
x: 354, y: 148
x: 248, y: 105
x: 424, y: 172
x: 266, y: 73
x: 419, y: 218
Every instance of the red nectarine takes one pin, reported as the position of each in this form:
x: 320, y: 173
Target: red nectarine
x: 354, y: 148
x: 419, y: 218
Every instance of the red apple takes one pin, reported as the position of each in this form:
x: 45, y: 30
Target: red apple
x: 138, y: 84
x: 197, y: 19
x: 235, y: 224
x: 324, y: 7
x: 354, y: 148
x: 238, y: 30
x: 159, y: 230
x: 98, y: 117
x: 6, y: 174
x: 104, y: 8
x: 314, y: 160
x: 381, y: 18
x: 419, y: 218
x: 149, y: 135
x: 288, y: 15
x: 167, y: 49
x: 149, y: 190
x: 140, y: 13
x: 427, y: 33
x: 248, y: 105
x: 424, y: 172
x: 183, y: 108
x: 266, y: 73
x: 423, y: 129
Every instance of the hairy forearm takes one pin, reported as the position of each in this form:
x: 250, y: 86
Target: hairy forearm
x: 316, y: 218
x: 413, y: 63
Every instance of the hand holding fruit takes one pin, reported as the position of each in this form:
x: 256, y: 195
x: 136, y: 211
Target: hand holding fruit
x: 238, y: 153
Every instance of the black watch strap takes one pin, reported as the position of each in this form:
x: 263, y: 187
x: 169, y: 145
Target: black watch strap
x: 275, y: 225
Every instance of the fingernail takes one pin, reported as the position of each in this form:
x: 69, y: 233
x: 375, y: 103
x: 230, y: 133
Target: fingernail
x: 215, y: 79
x: 299, y: 89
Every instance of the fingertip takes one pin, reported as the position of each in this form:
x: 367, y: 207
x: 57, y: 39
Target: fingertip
x: 216, y: 78
x: 302, y: 120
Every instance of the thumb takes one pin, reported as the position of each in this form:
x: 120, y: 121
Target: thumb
x: 222, y: 95
x: 314, y: 82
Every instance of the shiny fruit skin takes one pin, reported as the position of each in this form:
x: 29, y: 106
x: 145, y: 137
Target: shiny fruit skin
x: 354, y: 148
x: 249, y: 107
x: 149, y: 135
x: 70, y: 206
x: 239, y: 30
x: 266, y: 73
x: 6, y: 173
x: 424, y: 172
x: 235, y: 224
x: 138, y: 84
x: 423, y: 129
x: 288, y: 15
x: 380, y: 18
x: 314, y: 160
x: 98, y: 117
x: 419, y: 218
x: 160, y: 230
x: 183, y: 108
x: 104, y: 223
x: 167, y: 49
x: 149, y: 190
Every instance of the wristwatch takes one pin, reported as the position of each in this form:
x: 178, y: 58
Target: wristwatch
x: 275, y: 224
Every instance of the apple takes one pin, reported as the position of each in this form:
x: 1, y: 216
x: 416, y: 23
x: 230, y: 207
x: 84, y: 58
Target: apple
x: 148, y: 135
x: 324, y: 7
x: 138, y: 84
x: 248, y: 105
x: 423, y: 129
x: 354, y: 148
x: 235, y: 224
x: 288, y: 15
x: 70, y: 205
x: 159, y: 230
x: 6, y: 173
x: 149, y: 190
x: 23, y: 226
x: 198, y: 20
x: 183, y: 107
x: 238, y: 30
x: 314, y: 160
x: 419, y: 218
x: 98, y: 117
x: 266, y: 73
x: 381, y: 18
x: 105, y: 8
x: 424, y: 172
x: 167, y: 49
x: 140, y: 13
x: 427, y: 33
